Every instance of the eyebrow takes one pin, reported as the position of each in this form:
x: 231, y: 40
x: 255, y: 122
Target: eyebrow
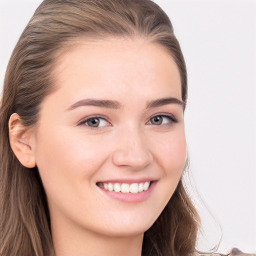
x: 117, y: 105
x: 165, y: 101
x: 97, y: 103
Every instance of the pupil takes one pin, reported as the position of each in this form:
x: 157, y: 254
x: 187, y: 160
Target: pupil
x: 157, y: 120
x: 94, y: 122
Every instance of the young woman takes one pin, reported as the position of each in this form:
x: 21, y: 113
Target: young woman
x: 92, y: 134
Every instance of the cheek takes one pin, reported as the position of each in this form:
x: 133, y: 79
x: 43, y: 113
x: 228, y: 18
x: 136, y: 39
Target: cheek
x: 65, y: 160
x: 172, y: 153
x: 171, y: 157
x: 63, y: 148
x: 67, y: 163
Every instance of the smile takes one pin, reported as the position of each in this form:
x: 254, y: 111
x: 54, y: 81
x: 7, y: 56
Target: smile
x: 133, y: 188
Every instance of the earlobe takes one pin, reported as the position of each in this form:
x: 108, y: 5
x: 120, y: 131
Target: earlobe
x: 20, y: 141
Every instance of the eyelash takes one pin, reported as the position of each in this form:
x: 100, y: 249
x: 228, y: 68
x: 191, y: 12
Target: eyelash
x: 88, y: 119
x: 171, y: 120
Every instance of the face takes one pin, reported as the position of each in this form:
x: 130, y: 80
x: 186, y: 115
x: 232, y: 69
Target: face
x: 115, y: 122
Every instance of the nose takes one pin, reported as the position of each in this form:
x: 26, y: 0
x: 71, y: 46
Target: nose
x: 132, y: 151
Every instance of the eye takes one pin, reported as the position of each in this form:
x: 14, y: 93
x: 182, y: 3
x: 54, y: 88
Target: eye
x: 162, y: 120
x: 95, y: 122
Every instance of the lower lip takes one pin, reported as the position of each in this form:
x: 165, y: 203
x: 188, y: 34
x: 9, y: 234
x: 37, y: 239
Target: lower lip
x: 130, y: 197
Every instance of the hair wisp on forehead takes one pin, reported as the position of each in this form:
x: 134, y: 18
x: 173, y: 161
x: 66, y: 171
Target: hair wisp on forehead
x: 56, y: 24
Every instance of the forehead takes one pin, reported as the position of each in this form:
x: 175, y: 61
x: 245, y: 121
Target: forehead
x: 117, y: 66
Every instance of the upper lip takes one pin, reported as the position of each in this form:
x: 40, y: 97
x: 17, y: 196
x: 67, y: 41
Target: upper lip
x: 128, y: 181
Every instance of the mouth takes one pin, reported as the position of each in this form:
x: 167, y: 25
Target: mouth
x: 125, y: 187
x: 128, y: 191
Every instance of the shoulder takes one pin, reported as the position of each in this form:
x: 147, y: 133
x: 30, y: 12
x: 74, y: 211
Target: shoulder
x: 233, y: 252
x: 237, y: 252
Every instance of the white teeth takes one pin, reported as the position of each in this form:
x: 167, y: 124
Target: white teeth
x: 134, y: 188
x: 126, y: 188
x: 141, y: 187
x: 146, y: 185
x: 110, y: 187
x: 117, y: 187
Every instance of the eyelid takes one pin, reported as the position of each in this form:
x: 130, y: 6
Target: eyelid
x: 88, y: 118
x: 170, y: 116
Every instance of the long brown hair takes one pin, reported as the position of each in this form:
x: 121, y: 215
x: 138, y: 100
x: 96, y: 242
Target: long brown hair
x: 25, y: 222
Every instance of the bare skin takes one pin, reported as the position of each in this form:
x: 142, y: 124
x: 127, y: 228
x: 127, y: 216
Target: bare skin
x: 116, y: 116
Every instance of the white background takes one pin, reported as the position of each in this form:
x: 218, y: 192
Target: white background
x: 218, y: 42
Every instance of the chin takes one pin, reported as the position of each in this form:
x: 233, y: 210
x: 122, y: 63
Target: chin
x: 125, y: 228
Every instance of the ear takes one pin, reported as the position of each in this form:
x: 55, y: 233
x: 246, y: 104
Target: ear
x: 20, y: 141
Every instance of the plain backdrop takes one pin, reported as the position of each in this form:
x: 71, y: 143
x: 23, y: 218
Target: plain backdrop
x: 218, y: 41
